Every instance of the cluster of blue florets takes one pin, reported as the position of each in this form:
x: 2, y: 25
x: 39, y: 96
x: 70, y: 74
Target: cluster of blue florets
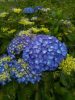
x: 44, y: 53
x: 17, y: 45
x: 21, y: 72
x: 36, y: 54
x: 30, y: 10
x: 4, y: 70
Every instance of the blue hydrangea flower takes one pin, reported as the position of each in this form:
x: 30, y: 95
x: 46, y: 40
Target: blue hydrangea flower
x: 21, y: 72
x: 4, y: 70
x: 37, y: 8
x: 17, y: 45
x: 28, y: 10
x: 44, y: 53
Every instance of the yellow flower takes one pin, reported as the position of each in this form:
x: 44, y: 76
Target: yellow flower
x: 3, y: 14
x: 68, y: 65
x: 46, y: 30
x: 34, y: 18
x: 35, y: 30
x: 7, y: 58
x: 25, y: 21
x: 4, y: 29
x: 45, y: 9
x: 17, y: 10
x: 11, y: 31
x: 4, y: 76
x: 27, y: 32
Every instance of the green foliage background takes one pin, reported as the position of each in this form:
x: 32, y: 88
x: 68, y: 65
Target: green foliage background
x: 56, y: 85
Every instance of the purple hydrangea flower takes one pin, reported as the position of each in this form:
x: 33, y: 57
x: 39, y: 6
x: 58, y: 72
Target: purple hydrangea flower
x: 28, y: 10
x: 22, y: 72
x: 37, y: 8
x: 4, y: 70
x: 44, y: 53
x: 17, y: 45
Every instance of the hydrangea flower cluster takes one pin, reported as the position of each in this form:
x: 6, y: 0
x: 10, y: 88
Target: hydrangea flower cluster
x: 37, y: 8
x: 16, y: 10
x: 30, y: 10
x: 3, y: 14
x: 4, y: 70
x: 17, y: 45
x: 68, y: 65
x: 37, y: 53
x: 39, y: 30
x: 25, y: 21
x: 44, y: 53
x: 21, y: 72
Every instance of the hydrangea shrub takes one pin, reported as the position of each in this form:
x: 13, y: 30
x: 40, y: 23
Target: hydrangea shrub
x: 36, y: 59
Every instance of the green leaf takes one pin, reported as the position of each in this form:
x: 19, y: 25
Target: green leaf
x: 8, y: 91
x: 71, y: 37
x: 24, y: 92
x: 64, y: 80
x: 62, y: 93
